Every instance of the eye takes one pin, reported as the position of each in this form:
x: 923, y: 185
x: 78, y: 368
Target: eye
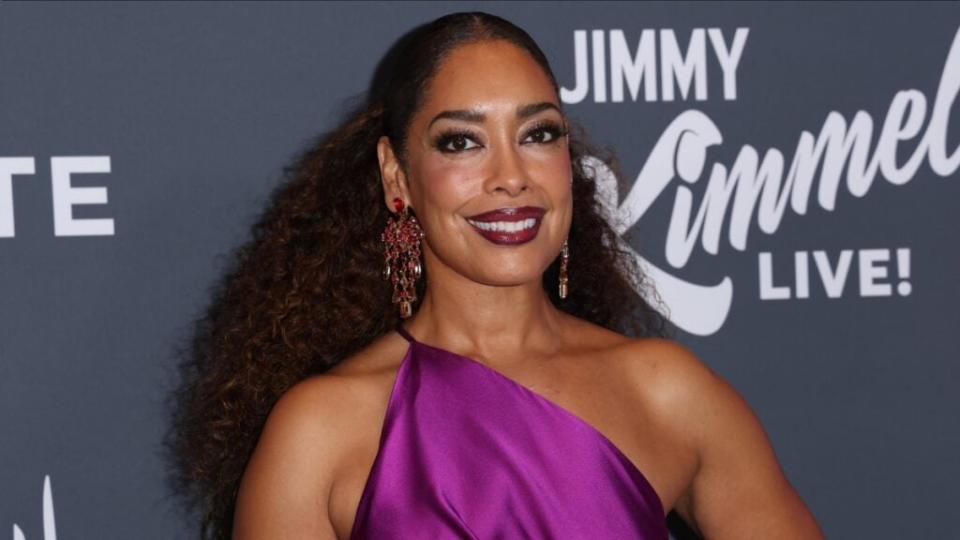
x: 453, y: 142
x: 544, y: 133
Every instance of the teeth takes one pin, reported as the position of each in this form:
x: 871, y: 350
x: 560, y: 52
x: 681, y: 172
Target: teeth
x: 504, y: 226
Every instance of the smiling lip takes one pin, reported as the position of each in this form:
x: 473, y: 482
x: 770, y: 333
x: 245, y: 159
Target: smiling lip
x: 509, y: 226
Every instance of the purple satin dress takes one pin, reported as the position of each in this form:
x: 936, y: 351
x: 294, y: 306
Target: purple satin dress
x: 466, y: 452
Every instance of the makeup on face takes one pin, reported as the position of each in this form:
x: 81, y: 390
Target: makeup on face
x: 456, y: 139
x: 492, y: 128
x: 508, y: 226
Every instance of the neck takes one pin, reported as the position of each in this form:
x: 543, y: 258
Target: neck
x: 484, y: 321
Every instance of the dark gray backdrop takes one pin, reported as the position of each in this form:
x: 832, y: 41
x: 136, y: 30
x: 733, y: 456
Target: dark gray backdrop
x: 196, y: 107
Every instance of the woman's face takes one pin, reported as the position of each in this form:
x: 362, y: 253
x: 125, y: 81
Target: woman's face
x: 488, y: 167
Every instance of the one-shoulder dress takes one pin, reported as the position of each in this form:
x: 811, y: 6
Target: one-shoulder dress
x: 467, y: 452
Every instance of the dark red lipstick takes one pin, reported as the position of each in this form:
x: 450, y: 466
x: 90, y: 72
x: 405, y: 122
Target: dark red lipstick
x: 509, y: 226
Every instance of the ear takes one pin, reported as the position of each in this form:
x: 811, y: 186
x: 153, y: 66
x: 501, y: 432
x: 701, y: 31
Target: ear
x: 391, y: 174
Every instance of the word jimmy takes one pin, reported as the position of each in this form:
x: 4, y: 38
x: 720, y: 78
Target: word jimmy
x: 633, y: 69
x: 872, y: 265
x: 65, y: 196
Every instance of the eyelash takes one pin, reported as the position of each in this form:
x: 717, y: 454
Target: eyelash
x: 445, y: 138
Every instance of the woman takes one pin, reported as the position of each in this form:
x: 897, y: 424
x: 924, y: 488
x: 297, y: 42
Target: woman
x: 497, y: 396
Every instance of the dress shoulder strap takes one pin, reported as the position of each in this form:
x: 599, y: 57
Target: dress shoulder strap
x: 403, y: 332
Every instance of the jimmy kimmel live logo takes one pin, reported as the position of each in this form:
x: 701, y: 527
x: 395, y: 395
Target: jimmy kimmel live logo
x: 760, y: 185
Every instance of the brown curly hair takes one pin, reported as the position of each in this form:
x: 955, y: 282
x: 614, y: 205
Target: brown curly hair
x: 306, y: 291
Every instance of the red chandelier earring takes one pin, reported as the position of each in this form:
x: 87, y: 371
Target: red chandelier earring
x: 564, y: 288
x: 401, y: 242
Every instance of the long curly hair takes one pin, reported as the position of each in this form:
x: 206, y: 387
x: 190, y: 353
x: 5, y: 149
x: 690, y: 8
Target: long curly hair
x: 306, y: 291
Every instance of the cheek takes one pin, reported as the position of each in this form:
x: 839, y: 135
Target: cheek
x: 555, y: 175
x: 447, y: 186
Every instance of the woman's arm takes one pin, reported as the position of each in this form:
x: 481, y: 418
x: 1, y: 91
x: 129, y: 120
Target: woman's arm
x: 739, y: 490
x: 285, y: 488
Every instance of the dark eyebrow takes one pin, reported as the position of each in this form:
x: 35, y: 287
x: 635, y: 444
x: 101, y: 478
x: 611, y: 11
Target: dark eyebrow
x: 477, y: 117
x: 526, y: 111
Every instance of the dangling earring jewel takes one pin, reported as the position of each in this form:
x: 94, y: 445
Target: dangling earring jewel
x: 564, y: 259
x: 401, y: 242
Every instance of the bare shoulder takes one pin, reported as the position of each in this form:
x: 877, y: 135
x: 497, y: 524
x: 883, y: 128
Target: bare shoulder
x: 666, y: 372
x: 678, y: 387
x: 675, y: 378
x: 675, y: 388
x: 307, y: 439
x: 739, y: 489
x: 314, y: 415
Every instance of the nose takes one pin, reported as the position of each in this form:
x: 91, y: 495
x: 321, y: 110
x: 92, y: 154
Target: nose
x: 509, y: 176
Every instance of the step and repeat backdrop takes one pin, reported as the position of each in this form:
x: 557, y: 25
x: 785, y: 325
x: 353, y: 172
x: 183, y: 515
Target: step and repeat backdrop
x: 792, y: 187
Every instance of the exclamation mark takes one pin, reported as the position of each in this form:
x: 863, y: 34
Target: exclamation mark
x: 903, y: 268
